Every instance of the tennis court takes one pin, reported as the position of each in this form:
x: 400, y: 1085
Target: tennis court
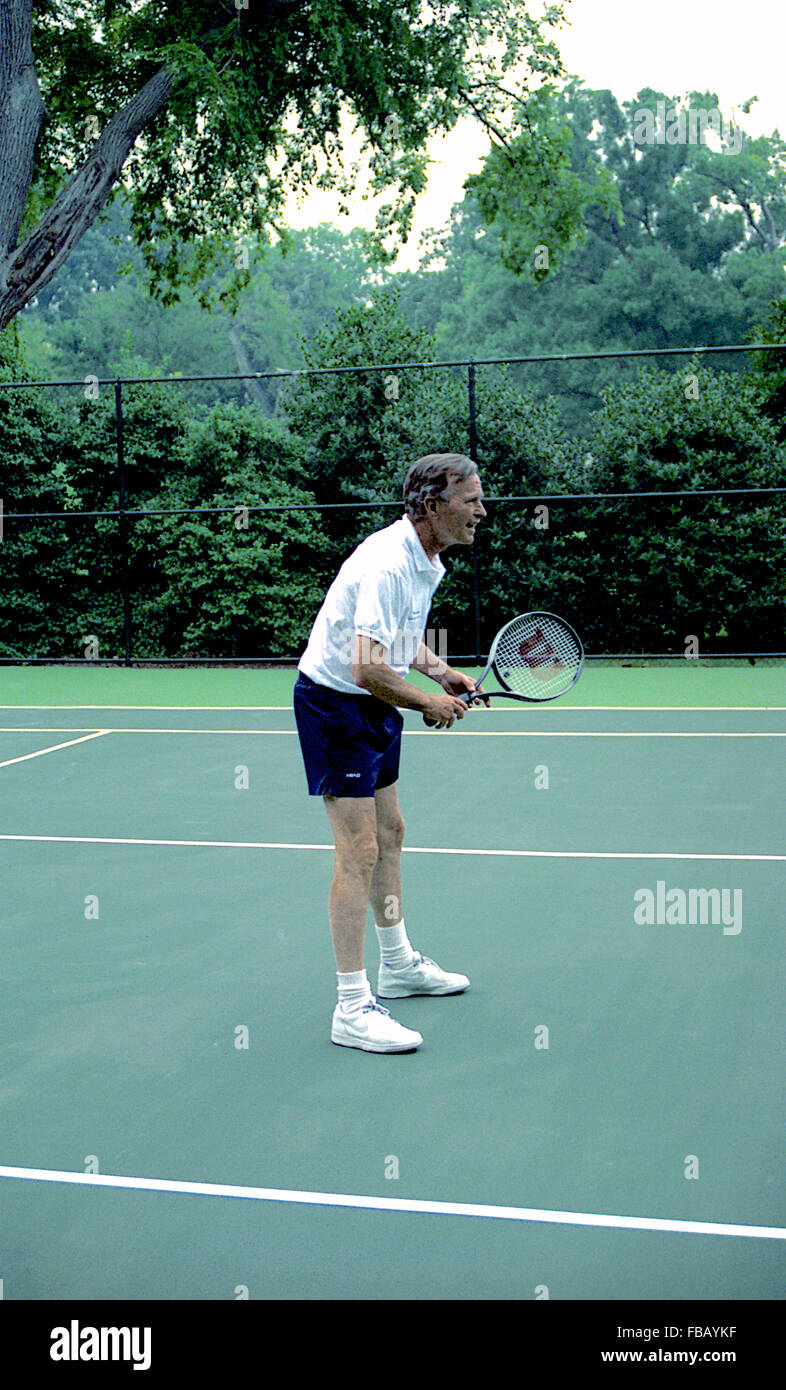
x: 598, y: 1117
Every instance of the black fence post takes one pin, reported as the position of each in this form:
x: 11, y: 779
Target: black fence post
x: 473, y: 453
x: 123, y: 520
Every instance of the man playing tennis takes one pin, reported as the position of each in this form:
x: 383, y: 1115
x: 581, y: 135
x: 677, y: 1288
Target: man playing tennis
x: 367, y: 636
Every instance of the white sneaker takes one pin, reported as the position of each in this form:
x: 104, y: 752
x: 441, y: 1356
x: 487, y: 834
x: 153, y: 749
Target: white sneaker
x: 372, y: 1029
x: 421, y: 976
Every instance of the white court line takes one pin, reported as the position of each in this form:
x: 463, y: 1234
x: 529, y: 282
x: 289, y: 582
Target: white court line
x: 494, y: 709
x: 55, y: 746
x: 403, y: 1204
x: 572, y: 733
x: 418, y: 733
x: 408, y: 849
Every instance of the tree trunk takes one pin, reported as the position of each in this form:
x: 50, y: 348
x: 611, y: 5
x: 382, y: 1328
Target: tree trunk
x: 25, y: 269
x: 22, y: 118
x: 252, y: 385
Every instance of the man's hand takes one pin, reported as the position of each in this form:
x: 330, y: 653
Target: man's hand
x: 445, y: 709
x: 456, y: 683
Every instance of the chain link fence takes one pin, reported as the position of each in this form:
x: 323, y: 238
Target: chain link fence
x: 643, y: 572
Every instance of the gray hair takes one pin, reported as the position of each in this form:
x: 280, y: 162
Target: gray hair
x: 434, y: 475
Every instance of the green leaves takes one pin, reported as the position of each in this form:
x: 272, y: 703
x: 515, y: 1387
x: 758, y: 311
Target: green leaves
x: 363, y: 427
x: 256, y: 108
x: 201, y: 584
x: 529, y: 190
x: 633, y: 575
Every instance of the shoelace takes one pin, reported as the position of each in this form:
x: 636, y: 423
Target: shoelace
x: 417, y: 959
x: 372, y: 1004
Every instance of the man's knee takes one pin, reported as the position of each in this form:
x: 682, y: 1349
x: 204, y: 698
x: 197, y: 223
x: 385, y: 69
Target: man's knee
x: 390, y: 835
x: 358, y: 853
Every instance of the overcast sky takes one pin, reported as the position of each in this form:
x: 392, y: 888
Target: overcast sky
x: 726, y: 46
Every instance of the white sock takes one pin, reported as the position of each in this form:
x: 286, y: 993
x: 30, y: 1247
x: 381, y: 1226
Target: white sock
x: 354, y: 990
x: 394, y: 946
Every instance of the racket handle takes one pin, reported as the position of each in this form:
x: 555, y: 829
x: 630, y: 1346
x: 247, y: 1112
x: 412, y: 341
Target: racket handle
x: 467, y: 696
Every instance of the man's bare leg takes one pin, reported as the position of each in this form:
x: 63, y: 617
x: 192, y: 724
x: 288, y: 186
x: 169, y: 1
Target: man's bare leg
x: 354, y: 825
x: 386, y: 878
x: 358, y: 1021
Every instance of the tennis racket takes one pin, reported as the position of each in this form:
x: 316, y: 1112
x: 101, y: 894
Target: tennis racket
x: 535, y: 657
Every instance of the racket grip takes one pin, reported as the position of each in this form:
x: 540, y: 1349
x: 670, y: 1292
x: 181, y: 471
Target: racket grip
x: 467, y: 696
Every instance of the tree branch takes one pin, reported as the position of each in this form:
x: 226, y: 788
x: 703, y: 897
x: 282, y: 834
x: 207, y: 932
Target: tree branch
x: 484, y: 120
x: 773, y: 239
x: 25, y: 270
x: 746, y: 207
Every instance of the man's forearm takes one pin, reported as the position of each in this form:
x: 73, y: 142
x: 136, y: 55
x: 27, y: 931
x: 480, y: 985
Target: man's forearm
x: 381, y: 680
x: 429, y: 664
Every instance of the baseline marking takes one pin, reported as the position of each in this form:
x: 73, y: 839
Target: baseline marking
x: 415, y: 733
x: 408, y: 849
x: 496, y: 709
x: 571, y: 733
x: 55, y: 746
x: 340, y: 1199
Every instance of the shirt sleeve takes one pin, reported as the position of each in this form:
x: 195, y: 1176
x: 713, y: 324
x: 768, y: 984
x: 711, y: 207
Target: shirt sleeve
x: 378, y: 606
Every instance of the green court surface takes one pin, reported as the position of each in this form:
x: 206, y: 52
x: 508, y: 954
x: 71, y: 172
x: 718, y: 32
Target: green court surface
x: 599, y: 1117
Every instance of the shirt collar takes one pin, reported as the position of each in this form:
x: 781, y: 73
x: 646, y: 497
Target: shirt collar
x: 415, y: 546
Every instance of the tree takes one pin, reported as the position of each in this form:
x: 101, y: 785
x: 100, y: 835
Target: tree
x: 654, y: 170
x: 233, y: 578
x: 363, y: 428
x: 770, y: 369
x: 537, y: 186
x: 35, y: 558
x: 649, y: 573
x: 98, y: 315
x: 237, y: 582
x: 206, y: 113
x: 684, y: 266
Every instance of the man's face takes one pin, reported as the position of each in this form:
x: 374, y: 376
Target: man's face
x: 454, y: 520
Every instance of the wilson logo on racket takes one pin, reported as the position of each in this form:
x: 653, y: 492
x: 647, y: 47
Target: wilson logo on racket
x: 538, y: 651
x: 535, y: 657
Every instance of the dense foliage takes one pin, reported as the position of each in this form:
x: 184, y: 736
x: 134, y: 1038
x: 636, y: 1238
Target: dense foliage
x: 635, y: 576
x: 648, y: 246
x: 207, y: 115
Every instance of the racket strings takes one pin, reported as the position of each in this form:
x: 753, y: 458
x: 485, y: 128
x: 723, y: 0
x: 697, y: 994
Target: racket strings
x: 537, y: 656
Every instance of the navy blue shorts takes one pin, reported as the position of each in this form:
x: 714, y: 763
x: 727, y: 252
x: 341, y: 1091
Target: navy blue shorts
x: 351, y: 744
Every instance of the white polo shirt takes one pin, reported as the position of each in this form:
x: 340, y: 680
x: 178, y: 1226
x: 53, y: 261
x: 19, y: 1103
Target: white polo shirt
x: 383, y: 591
